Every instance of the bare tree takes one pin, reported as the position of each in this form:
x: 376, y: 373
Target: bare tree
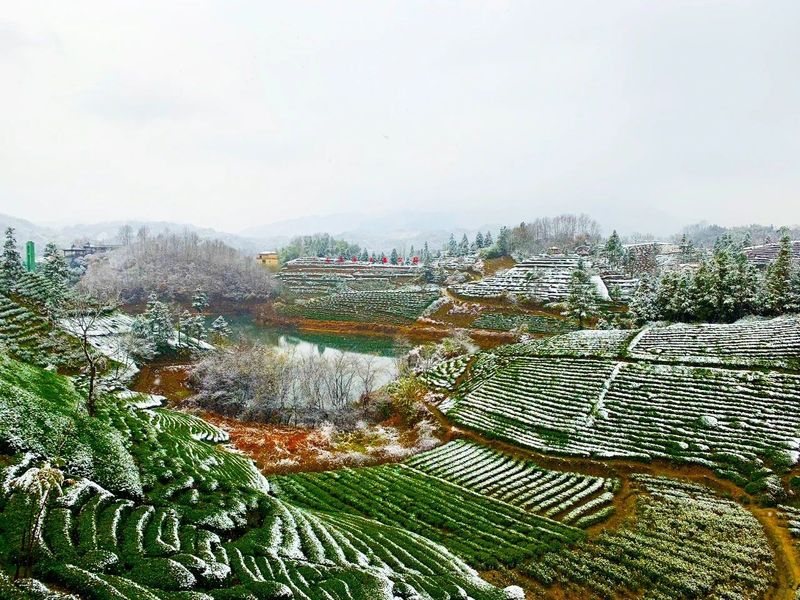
x: 369, y: 372
x: 83, y: 313
x: 339, y: 380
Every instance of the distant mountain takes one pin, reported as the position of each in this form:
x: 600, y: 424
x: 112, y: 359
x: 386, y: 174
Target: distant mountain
x: 400, y: 230
x: 107, y: 232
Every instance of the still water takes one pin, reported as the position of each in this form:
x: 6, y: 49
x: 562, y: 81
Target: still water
x: 382, y: 350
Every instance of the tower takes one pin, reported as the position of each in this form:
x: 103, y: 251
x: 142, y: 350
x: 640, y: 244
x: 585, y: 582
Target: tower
x: 30, y: 257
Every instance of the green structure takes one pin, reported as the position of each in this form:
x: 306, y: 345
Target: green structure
x: 30, y: 257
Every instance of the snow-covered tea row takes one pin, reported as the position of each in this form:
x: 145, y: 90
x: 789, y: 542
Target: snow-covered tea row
x: 758, y: 342
x: 30, y: 337
x: 682, y: 542
x: 721, y: 418
x: 774, y: 342
x: 386, y: 306
x: 530, y: 323
x: 482, y: 530
x: 580, y: 500
x: 542, y: 278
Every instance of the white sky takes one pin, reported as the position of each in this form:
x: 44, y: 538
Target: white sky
x: 232, y: 114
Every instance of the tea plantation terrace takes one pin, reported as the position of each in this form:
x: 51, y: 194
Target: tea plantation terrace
x: 544, y: 278
x: 161, y: 510
x: 397, y: 306
x: 574, y: 400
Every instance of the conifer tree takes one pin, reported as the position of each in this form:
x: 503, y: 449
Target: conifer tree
x: 463, y: 246
x: 393, y: 256
x: 503, y: 243
x: 220, y: 328
x: 778, y: 280
x: 200, y: 300
x: 687, y: 250
x: 11, y: 269
x: 55, y: 267
x: 487, y: 240
x: 644, y: 303
x: 426, y: 254
x: 479, y: 240
x: 452, y: 246
x: 582, y: 295
x: 614, y: 251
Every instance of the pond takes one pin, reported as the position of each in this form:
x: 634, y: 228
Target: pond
x: 381, y: 349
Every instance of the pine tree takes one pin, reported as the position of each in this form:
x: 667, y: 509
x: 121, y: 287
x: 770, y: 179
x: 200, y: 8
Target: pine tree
x: 614, y: 251
x: 487, y: 240
x: 503, y: 243
x: 426, y: 254
x: 411, y: 253
x: 197, y: 327
x: 463, y: 246
x: 644, y: 303
x: 687, y: 251
x: 479, y: 240
x: 220, y: 329
x: 778, y: 280
x: 156, y: 327
x: 200, y: 300
x: 11, y: 269
x: 393, y: 256
x: 582, y: 295
x: 56, y: 271
x: 55, y: 267
x: 452, y: 246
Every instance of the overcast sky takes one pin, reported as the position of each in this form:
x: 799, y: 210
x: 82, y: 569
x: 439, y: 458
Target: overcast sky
x: 232, y: 114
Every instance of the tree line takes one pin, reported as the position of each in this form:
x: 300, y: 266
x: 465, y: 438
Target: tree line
x: 174, y: 266
x: 724, y: 287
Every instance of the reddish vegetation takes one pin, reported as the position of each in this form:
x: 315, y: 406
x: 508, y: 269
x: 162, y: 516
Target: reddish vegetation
x: 169, y: 380
x: 285, y: 449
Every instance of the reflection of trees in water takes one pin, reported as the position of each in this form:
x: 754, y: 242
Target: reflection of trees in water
x: 292, y: 385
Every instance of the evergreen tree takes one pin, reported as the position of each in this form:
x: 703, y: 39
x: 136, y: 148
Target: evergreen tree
x: 156, y: 324
x: 220, y: 328
x: 687, y: 250
x: 55, y: 267
x: 56, y: 271
x: 487, y: 240
x: 11, y: 269
x: 479, y: 240
x: 411, y: 253
x: 426, y: 254
x: 701, y: 298
x: 503, y: 243
x: 364, y: 256
x: 393, y: 256
x: 582, y: 295
x: 197, y: 328
x: 463, y: 246
x: 644, y: 303
x: 614, y: 252
x: 200, y: 300
x: 185, y: 321
x: 778, y: 280
x: 452, y: 246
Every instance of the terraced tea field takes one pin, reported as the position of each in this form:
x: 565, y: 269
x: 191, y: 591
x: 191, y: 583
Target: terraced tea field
x: 397, y: 307
x: 202, y: 524
x: 28, y: 335
x: 600, y: 394
x: 530, y: 323
x: 567, y: 497
x: 681, y: 542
